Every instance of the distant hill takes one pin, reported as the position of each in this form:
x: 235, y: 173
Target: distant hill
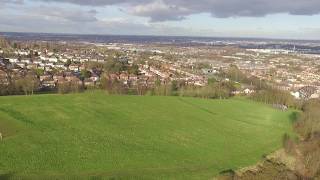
x: 132, y: 137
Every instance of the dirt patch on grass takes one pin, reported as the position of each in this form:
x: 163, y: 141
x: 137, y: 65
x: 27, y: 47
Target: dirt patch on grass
x: 266, y: 170
x: 302, y: 163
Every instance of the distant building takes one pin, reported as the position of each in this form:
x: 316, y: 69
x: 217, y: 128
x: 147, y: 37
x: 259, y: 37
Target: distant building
x: 295, y: 95
x: 248, y: 91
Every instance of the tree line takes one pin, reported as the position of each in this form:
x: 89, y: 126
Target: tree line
x: 15, y: 85
x: 276, y: 96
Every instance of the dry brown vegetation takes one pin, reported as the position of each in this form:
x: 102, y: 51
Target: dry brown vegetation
x: 298, y: 160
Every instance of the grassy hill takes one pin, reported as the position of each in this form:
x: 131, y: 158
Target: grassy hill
x: 131, y: 137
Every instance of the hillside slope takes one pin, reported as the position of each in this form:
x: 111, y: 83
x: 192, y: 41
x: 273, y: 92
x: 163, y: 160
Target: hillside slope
x: 129, y: 137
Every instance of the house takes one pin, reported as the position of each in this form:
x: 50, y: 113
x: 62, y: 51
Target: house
x: 248, y: 91
x: 124, y: 76
x: 32, y: 66
x: 51, y: 64
x: 42, y: 64
x: 74, y: 67
x: 60, y: 65
x: 22, y: 52
x: 44, y: 58
x: 64, y: 60
x: 13, y: 60
x: 48, y: 84
x: 48, y: 68
x: 25, y: 61
x: 76, y: 60
x: 84, y: 60
x: 100, y: 60
x: 45, y: 77
x: 53, y: 59
x: 94, y: 77
x: 38, y: 61
x: 236, y: 92
x: 296, y: 95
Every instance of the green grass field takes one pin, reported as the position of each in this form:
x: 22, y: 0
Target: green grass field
x: 96, y: 136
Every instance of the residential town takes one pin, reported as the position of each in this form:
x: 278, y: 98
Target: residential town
x: 84, y: 64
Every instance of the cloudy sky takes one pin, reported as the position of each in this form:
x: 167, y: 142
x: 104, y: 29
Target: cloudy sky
x: 296, y: 19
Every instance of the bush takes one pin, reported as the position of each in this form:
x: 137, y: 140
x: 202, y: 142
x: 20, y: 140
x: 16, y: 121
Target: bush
x: 69, y: 87
x: 308, y: 123
x: 288, y: 143
x: 274, y: 96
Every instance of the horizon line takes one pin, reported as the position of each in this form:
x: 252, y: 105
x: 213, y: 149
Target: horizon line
x: 153, y: 35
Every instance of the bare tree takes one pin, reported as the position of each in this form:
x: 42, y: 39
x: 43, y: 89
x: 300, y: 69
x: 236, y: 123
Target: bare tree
x: 28, y: 84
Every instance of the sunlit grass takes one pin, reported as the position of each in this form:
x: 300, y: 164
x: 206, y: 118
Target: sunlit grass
x: 132, y: 137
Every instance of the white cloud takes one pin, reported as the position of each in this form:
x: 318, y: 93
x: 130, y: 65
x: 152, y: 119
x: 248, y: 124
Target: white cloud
x: 87, y: 17
x: 159, y: 11
x: 162, y: 10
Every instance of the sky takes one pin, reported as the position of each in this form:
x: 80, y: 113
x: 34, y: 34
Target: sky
x: 285, y: 19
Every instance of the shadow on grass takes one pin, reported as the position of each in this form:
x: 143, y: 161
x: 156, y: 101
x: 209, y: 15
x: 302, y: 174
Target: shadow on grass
x: 16, y: 115
x: 6, y: 176
x: 97, y: 178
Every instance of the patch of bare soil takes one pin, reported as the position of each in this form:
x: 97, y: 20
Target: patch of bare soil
x: 301, y: 162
